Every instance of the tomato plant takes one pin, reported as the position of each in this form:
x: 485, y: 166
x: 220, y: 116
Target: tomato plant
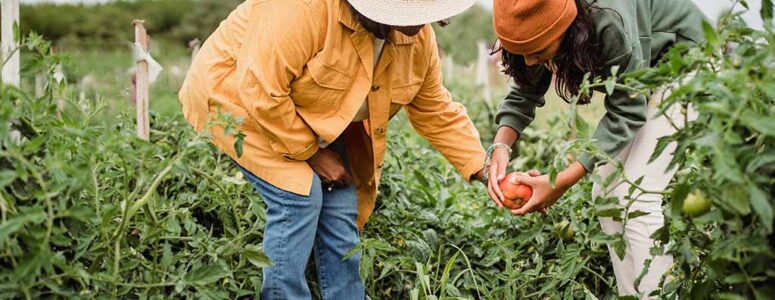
x: 89, y: 211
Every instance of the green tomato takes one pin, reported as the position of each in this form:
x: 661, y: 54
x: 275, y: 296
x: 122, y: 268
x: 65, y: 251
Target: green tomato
x: 564, y: 230
x: 696, y: 204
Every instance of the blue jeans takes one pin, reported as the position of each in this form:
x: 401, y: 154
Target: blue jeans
x: 296, y: 226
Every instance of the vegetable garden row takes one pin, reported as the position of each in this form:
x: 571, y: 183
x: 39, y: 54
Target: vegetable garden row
x: 89, y: 210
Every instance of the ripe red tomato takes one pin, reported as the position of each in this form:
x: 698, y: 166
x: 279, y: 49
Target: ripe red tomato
x: 513, y: 203
x: 516, y: 194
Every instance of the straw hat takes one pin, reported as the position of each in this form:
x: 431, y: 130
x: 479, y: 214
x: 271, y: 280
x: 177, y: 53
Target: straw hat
x: 410, y: 12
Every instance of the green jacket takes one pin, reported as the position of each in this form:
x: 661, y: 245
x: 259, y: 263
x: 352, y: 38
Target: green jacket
x: 633, y: 34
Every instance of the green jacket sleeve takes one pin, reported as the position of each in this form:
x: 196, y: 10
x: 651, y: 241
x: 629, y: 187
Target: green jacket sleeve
x: 518, y: 109
x: 625, y: 113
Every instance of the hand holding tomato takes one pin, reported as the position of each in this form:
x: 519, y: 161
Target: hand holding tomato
x: 496, y: 172
x: 515, y: 195
x: 542, y: 196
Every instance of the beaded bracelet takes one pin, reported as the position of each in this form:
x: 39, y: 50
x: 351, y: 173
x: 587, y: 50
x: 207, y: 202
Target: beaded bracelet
x: 489, y: 156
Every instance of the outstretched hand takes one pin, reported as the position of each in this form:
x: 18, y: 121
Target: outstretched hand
x: 544, y: 195
x: 497, y: 171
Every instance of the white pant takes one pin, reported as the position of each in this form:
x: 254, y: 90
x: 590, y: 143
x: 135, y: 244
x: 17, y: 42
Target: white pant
x: 638, y: 233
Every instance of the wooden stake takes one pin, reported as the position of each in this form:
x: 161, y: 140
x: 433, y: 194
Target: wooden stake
x: 483, y: 70
x: 59, y: 77
x: 449, y: 66
x: 142, y: 91
x: 10, y: 44
x: 40, y: 84
x: 194, y: 45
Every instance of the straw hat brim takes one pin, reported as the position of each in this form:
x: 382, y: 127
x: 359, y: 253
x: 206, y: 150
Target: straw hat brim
x: 410, y: 12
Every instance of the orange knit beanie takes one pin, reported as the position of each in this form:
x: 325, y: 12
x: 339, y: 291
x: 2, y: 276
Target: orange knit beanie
x: 528, y: 26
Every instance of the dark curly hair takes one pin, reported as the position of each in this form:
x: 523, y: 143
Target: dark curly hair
x: 579, y: 54
x: 379, y: 30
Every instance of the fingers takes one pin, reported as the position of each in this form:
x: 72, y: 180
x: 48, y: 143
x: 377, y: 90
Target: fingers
x: 534, y: 173
x: 326, y: 184
x: 501, y: 171
x: 344, y: 179
x: 499, y: 162
x: 491, y: 184
x: 526, y: 179
x: 519, y: 179
x: 497, y: 189
x: 348, y: 179
x: 492, y: 187
x: 337, y: 178
x: 494, y: 197
x: 530, y: 206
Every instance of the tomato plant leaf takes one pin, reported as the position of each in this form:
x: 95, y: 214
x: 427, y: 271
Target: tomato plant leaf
x: 680, y: 191
x: 6, y: 177
x: 737, y: 198
x: 256, y: 256
x: 761, y: 206
x: 619, y: 246
x: 760, y: 123
x: 766, y: 11
x: 610, y: 213
x: 643, y: 273
x: 239, y: 142
x: 167, y: 255
x: 636, y: 214
x: 13, y: 225
x: 610, y: 85
x: 445, y: 274
x: 662, y: 143
x: 421, y: 178
x: 205, y: 274
x: 710, y: 34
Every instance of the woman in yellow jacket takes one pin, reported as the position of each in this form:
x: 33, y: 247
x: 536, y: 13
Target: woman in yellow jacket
x: 316, y: 82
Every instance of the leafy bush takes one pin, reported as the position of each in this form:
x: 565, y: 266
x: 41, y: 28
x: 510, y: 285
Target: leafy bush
x: 727, y: 155
x: 472, y: 26
x: 90, y: 211
x: 109, y: 25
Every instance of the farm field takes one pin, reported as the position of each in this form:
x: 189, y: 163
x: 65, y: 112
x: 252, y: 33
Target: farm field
x: 88, y: 210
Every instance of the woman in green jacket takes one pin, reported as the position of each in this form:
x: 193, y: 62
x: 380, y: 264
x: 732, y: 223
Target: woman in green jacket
x: 567, y: 39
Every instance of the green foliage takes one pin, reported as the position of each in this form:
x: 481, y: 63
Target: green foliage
x: 89, y: 211
x: 433, y: 235
x: 109, y: 25
x: 728, y: 154
x: 203, y: 19
x: 460, y: 36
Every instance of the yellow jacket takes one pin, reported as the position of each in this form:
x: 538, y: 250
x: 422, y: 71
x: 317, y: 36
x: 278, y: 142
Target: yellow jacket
x: 294, y: 70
